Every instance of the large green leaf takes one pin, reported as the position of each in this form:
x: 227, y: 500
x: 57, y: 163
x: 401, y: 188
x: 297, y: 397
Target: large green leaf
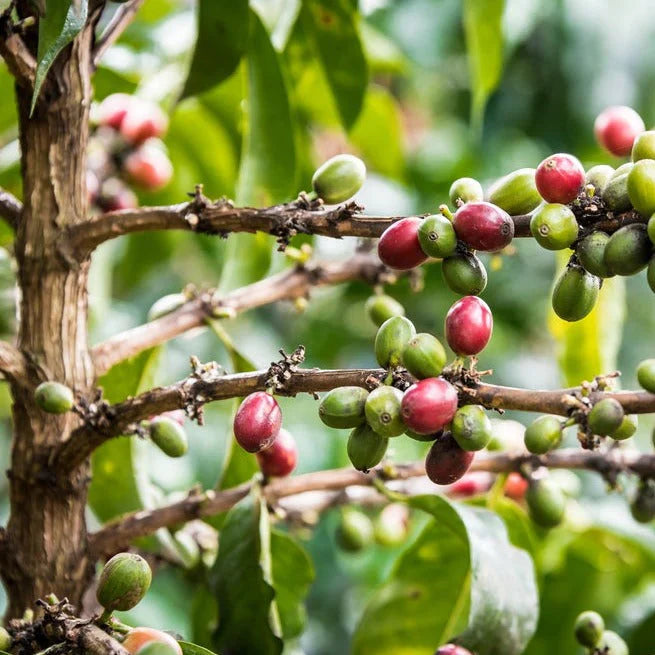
x: 484, y: 43
x: 461, y: 578
x: 221, y: 42
x: 62, y: 22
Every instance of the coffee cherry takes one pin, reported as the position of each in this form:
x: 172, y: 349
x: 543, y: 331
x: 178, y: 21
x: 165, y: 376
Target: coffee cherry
x: 641, y: 186
x: 92, y: 186
x: 437, y: 237
x: 124, y: 581
x: 516, y: 193
x: 382, y: 410
x: 598, y: 177
x: 424, y: 356
x: 381, y: 308
x: 591, y: 253
x: 611, y: 644
x: 468, y: 326
x: 506, y: 435
x: 650, y: 274
x: 166, y: 305
x: 339, y: 178
x: 54, y: 397
x: 554, y: 226
x: 560, y: 178
x: 137, y: 638
x: 257, y: 421
x: 155, y: 648
x: 464, y: 274
x: 483, y: 226
x: 355, y: 531
x: 471, y: 428
x: 464, y: 190
x: 428, y: 405
x: 589, y: 628
x: 616, y: 128
x: 392, y: 525
x: 366, y: 448
x: 515, y: 486
x: 143, y: 120
x: 642, y: 506
x: 391, y: 339
x: 446, y: 462
x: 546, y: 502
x: 5, y: 639
x: 615, y: 193
x: 627, y: 428
x: 575, y: 293
x: 426, y: 438
x: 113, y: 108
x: 628, y: 250
x: 115, y: 196
x: 543, y: 434
x: 169, y: 436
x: 471, y: 484
x: 646, y: 375
x: 605, y: 416
x: 452, y: 649
x: 644, y: 146
x: 280, y: 458
x: 149, y: 167
x: 343, y: 407
x: 399, y: 246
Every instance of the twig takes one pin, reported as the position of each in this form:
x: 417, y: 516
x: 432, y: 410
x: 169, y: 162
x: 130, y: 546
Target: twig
x: 119, y: 22
x: 18, y: 58
x: 10, y: 208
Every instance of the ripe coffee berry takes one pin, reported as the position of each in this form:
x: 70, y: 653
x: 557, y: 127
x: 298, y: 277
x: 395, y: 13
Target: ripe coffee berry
x: 257, y: 422
x: 469, y: 325
x: 137, y: 638
x: 483, y: 226
x: 113, y: 108
x: 446, y: 462
x: 143, y: 120
x: 616, y: 128
x: 399, y: 246
x: 560, y: 178
x: 280, y: 458
x: 149, y: 167
x: 428, y: 405
x: 515, y: 486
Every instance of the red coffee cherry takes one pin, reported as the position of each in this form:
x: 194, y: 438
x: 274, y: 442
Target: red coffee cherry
x: 399, y: 246
x: 137, y: 638
x: 113, y: 108
x: 114, y: 196
x: 149, y: 167
x: 515, y: 486
x: 143, y: 120
x: 452, y: 649
x: 257, y: 422
x: 428, y: 405
x: 446, y: 461
x: 280, y: 458
x: 483, y: 226
x: 616, y: 128
x: 469, y: 325
x: 559, y: 178
x: 472, y: 484
x: 92, y: 187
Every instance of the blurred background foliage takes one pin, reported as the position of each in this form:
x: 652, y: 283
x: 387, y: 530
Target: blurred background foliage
x: 424, y: 92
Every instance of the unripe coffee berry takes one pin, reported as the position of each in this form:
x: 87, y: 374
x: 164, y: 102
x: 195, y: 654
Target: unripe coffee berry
x: 137, y: 638
x: 591, y: 253
x: 546, y: 502
x: 169, y: 436
x: 149, y: 167
x: 54, y: 397
x: 424, y: 356
x: 627, y: 428
x: 628, y: 250
x: 5, y: 639
x: 616, y: 128
x: 257, y: 422
x: 383, y: 411
x: 642, y: 506
x: 611, y: 644
x: 560, y: 178
x: 281, y: 457
x: 343, y: 407
x: 605, y: 416
x: 391, y: 339
x: 437, y: 237
x: 543, y: 434
x: 575, y: 293
x: 469, y: 325
x: 464, y: 274
x: 644, y: 146
x: 425, y: 438
x: 615, y: 192
x: 446, y: 462
x: 589, y: 628
x: 471, y: 428
x: 646, y: 375
x: 399, y: 246
x: 554, y: 226
x: 452, y: 649
x: 598, y: 177
x: 392, y: 525
x: 124, y: 581
x: 641, y: 186
x: 339, y: 178
x: 516, y: 193
x: 650, y: 229
x: 355, y: 531
x: 381, y: 308
x: 483, y: 226
x: 465, y: 189
x: 428, y: 405
x: 366, y: 448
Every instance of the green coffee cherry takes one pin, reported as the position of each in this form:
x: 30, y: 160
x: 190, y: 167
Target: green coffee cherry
x: 366, y: 448
x: 628, y: 250
x: 611, y: 644
x: 627, y: 428
x: 554, y: 226
x: 643, y: 147
x: 605, y: 417
x: 471, y: 428
x: 465, y: 189
x: 623, y: 169
x: 615, y: 193
x: 567, y: 481
x: 575, y: 293
x: 641, y: 186
x: 598, y: 177
x: 166, y: 305
x: 646, y: 375
x: 339, y: 179
x: 650, y: 228
x: 169, y: 436
x: 437, y: 237
x: 54, y: 397
x: 157, y: 648
x: 381, y: 308
x: 546, y: 502
x: 650, y: 274
x: 591, y: 253
x: 391, y: 339
x: 642, y: 506
x: 383, y: 411
x: 343, y: 407
x: 464, y: 274
x: 124, y: 581
x: 355, y: 531
x: 589, y: 628
x: 424, y: 356
x: 392, y: 525
x: 516, y: 193
x: 5, y: 639
x: 543, y: 434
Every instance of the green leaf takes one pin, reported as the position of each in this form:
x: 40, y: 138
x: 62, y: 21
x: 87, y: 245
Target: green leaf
x: 193, y: 649
x: 484, y: 44
x: 461, y: 578
x: 62, y: 22
x: 221, y: 42
x: 333, y: 25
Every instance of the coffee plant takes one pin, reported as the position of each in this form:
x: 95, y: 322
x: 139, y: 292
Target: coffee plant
x: 155, y: 514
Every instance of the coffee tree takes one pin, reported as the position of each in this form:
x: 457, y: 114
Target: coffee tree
x: 89, y: 530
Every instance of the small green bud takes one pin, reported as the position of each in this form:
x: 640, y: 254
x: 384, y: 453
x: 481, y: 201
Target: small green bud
x: 343, y: 407
x: 605, y: 416
x: 464, y: 274
x: 124, y: 581
x: 589, y: 628
x: 543, y: 434
x: 169, y: 436
x: 381, y: 308
x: 383, y: 411
x: 424, y: 356
x: 391, y: 339
x: 516, y: 193
x: 54, y: 397
x: 465, y: 189
x: 437, y: 237
x: 339, y: 178
x: 575, y: 293
x: 554, y: 226
x: 471, y: 428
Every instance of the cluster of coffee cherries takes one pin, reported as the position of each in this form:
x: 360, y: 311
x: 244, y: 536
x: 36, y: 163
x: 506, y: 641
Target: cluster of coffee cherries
x: 126, y: 149
x: 356, y: 531
x: 589, y: 630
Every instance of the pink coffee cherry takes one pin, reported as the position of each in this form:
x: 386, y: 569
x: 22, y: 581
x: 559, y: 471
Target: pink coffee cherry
x: 143, y: 120
x: 92, y: 187
x: 399, y: 246
x: 472, y: 484
x: 149, y: 166
x: 616, y: 128
x: 446, y: 462
x: 483, y: 226
x: 280, y: 458
x: 428, y: 405
x: 560, y: 178
x: 114, y: 196
x: 257, y: 422
x: 469, y: 325
x: 113, y: 108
